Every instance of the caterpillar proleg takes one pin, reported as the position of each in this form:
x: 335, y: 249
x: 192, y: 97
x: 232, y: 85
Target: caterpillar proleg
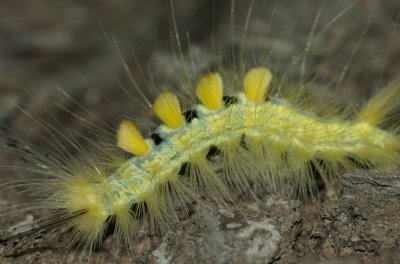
x: 266, y: 130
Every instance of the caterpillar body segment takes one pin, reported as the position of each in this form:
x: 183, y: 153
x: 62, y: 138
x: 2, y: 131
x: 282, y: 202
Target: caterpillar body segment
x: 265, y: 142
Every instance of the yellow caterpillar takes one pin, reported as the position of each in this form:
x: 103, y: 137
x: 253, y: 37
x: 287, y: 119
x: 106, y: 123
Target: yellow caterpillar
x: 281, y: 140
x: 266, y: 141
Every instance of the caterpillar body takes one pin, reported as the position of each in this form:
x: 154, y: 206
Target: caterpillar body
x: 267, y: 140
x: 281, y: 139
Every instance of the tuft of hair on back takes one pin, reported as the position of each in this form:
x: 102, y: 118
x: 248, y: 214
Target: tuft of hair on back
x: 382, y: 107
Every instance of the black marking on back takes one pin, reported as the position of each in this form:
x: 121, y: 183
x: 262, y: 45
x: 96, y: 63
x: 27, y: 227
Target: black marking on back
x: 157, y: 139
x: 189, y: 115
x: 230, y: 100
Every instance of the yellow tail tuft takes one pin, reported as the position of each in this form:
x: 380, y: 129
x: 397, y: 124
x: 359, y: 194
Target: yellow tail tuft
x: 379, y: 107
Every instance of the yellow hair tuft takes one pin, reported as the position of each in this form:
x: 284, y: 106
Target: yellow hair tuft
x: 124, y: 222
x: 130, y: 139
x: 166, y: 108
x: 256, y: 83
x: 81, y: 199
x: 209, y: 91
x: 379, y: 107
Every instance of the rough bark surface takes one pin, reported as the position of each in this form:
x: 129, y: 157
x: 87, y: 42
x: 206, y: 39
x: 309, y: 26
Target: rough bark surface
x: 364, y: 221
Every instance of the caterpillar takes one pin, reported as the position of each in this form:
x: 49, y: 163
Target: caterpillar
x: 267, y: 140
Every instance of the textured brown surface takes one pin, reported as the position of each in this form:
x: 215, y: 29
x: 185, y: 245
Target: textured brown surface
x: 363, y: 221
x: 45, y: 44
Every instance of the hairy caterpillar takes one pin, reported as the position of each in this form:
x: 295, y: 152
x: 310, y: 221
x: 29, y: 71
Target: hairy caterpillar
x: 290, y: 158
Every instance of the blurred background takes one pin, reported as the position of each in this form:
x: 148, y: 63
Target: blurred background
x: 69, y: 44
